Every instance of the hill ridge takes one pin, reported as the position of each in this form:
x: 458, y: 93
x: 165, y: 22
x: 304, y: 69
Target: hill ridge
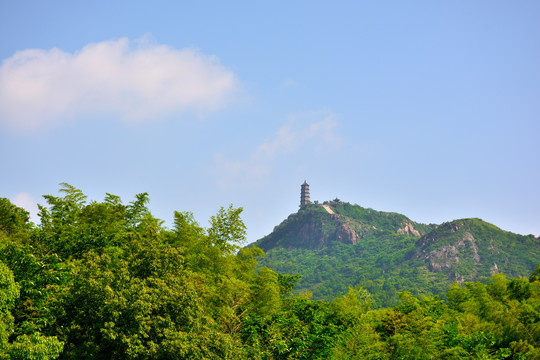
x: 386, y: 252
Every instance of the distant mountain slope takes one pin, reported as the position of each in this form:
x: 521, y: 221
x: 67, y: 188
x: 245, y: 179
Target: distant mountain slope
x: 468, y: 249
x: 387, y: 252
x: 314, y: 226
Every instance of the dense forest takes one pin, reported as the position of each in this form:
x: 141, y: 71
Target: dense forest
x: 107, y: 280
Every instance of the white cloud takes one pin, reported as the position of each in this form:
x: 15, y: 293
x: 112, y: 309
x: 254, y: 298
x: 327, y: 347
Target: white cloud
x: 313, y: 132
x: 27, y: 202
x: 135, y: 82
x: 288, y: 83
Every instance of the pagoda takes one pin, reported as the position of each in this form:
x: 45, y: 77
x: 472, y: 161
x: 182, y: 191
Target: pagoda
x: 304, y: 194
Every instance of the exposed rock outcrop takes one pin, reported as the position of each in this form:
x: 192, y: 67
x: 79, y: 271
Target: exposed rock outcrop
x: 345, y: 232
x: 408, y: 229
x: 328, y: 209
x: 447, y: 256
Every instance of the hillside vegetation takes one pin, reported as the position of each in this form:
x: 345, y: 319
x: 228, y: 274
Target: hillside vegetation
x: 387, y: 253
x: 106, y: 280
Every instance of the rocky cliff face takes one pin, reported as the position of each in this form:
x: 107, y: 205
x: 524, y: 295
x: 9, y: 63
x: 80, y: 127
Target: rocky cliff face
x: 408, y: 229
x: 345, y: 231
x: 315, y: 231
x: 467, y: 248
x: 447, y: 256
x: 316, y: 226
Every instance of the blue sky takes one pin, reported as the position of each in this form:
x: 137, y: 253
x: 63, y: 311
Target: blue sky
x: 429, y: 109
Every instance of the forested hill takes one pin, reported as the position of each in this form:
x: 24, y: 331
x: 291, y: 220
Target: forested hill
x: 337, y: 244
x: 315, y: 226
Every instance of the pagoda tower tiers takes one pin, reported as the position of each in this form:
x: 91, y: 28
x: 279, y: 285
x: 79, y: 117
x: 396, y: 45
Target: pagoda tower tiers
x: 304, y: 194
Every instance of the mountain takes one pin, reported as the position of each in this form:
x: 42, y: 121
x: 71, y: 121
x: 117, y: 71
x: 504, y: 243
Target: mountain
x: 315, y: 226
x: 336, y: 244
x: 467, y: 249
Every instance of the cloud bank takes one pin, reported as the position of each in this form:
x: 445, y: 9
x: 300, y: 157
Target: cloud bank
x: 135, y: 82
